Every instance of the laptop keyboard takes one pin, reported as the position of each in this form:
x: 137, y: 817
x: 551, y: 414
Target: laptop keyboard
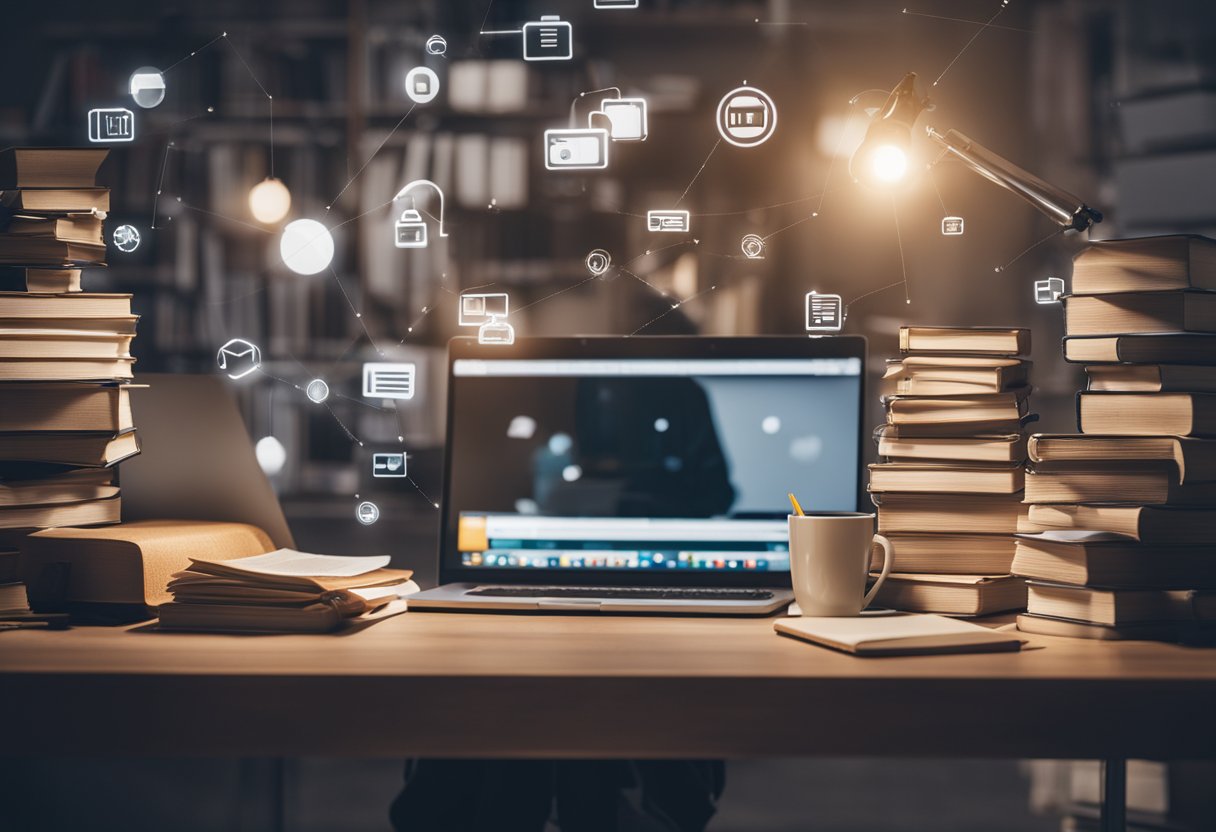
x: 625, y: 592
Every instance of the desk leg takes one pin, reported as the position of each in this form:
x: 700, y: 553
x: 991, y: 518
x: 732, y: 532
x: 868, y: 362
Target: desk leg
x: 1114, y: 796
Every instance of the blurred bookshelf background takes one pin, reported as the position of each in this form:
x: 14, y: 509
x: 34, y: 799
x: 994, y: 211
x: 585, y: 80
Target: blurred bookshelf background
x: 1114, y: 100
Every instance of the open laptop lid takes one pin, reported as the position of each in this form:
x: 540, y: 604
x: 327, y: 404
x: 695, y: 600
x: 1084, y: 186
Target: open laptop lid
x: 644, y: 461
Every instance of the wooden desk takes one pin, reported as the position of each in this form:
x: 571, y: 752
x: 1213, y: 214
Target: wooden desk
x: 497, y: 685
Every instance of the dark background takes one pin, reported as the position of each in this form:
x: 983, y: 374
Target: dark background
x: 1111, y: 100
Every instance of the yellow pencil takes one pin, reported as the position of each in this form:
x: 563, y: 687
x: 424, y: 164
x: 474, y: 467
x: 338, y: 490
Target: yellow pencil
x: 797, y: 508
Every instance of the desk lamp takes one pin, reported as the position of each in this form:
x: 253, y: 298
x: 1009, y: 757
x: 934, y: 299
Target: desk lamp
x: 881, y: 160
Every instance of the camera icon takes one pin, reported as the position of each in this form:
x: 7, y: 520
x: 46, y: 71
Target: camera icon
x: 576, y: 149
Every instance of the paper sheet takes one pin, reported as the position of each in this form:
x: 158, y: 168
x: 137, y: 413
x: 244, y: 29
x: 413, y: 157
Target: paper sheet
x: 289, y: 562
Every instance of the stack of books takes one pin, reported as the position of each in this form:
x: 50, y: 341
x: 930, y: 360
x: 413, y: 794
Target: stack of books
x: 1121, y: 517
x: 284, y: 591
x: 64, y: 353
x: 949, y: 489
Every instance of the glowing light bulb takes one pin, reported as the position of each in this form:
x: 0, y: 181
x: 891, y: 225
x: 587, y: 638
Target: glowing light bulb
x: 269, y: 201
x: 271, y: 454
x: 306, y: 246
x: 890, y: 163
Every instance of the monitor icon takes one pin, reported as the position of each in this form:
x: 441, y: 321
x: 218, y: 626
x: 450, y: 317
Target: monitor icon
x: 479, y: 309
x: 114, y: 124
x: 952, y: 226
x: 824, y: 313
x: 388, y: 465
x: 746, y: 117
x: 385, y: 380
x: 576, y: 148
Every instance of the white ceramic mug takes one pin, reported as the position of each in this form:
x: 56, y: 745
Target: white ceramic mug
x: 830, y: 560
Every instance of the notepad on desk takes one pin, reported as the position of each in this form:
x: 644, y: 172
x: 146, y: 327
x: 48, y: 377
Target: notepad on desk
x: 903, y: 634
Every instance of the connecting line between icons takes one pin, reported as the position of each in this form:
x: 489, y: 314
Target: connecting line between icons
x: 1054, y: 233
x: 558, y: 292
x: 358, y: 314
x: 937, y: 190
x: 423, y: 493
x: 698, y: 173
x: 873, y: 292
x: 379, y: 147
x: 673, y: 308
x: 967, y: 45
x: 989, y: 25
x: 582, y: 95
x: 342, y: 425
x: 900, y: 239
x: 196, y: 209
x: 160, y: 182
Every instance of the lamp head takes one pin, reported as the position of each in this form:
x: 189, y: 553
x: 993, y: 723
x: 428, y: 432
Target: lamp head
x: 881, y: 160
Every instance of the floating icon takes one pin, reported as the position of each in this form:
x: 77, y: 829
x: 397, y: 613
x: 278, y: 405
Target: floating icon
x: 547, y: 39
x: 753, y: 247
x: 627, y: 117
x: 616, y: 4
x: 1049, y: 290
x: 662, y: 220
x: 480, y: 309
x: 436, y: 45
x: 383, y: 380
x: 952, y: 226
x: 410, y: 231
x: 317, y: 391
x: 824, y: 313
x: 598, y: 261
x: 113, y: 124
x: 746, y: 117
x: 421, y: 84
x: 147, y: 86
x: 388, y: 465
x: 495, y: 331
x: 367, y: 512
x: 306, y: 246
x: 576, y: 148
x: 269, y: 200
x: 126, y: 238
x: 238, y: 358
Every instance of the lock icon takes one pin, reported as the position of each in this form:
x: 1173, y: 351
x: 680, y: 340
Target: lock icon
x: 411, y: 230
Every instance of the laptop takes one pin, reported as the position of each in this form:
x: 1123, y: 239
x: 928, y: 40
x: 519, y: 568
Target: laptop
x: 638, y: 475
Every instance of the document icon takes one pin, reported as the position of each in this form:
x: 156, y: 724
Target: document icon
x: 382, y: 380
x: 667, y: 221
x: 548, y: 39
x: 116, y: 124
x: 1049, y: 290
x: 824, y: 313
x: 388, y: 465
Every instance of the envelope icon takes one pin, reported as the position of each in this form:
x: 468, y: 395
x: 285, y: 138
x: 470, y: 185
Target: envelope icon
x: 238, y: 358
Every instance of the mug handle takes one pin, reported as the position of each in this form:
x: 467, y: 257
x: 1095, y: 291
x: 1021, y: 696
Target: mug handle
x: 888, y: 553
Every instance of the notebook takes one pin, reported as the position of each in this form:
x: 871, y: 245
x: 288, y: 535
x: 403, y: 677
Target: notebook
x: 898, y: 635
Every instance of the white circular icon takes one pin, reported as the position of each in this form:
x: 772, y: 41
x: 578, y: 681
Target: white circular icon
x: 147, y: 86
x: 271, y: 454
x: 436, y: 45
x: 317, y: 390
x: 306, y: 246
x: 367, y: 513
x: 269, y: 200
x: 598, y: 261
x: 126, y: 238
x: 753, y: 247
x: 746, y: 117
x: 421, y: 84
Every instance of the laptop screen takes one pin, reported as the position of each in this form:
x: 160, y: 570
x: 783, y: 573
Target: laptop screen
x: 642, y: 463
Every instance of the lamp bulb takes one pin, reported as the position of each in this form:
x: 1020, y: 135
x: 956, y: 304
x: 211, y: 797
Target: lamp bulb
x: 306, y: 246
x: 890, y: 163
x: 269, y: 201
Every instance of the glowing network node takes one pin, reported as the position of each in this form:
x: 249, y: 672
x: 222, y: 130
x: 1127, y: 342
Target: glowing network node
x: 271, y: 455
x: 421, y: 85
x: 367, y: 512
x: 753, y: 247
x: 746, y: 117
x: 661, y: 425
x: 436, y: 45
x: 306, y: 246
x: 126, y: 238
x: 317, y: 391
x: 238, y: 358
x: 770, y: 425
x: 269, y: 201
x: 890, y: 163
x: 147, y: 87
x: 598, y: 261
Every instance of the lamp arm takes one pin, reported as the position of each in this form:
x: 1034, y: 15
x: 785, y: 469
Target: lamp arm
x: 438, y: 190
x: 1062, y: 207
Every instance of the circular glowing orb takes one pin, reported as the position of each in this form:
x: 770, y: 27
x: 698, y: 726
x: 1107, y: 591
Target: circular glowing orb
x: 269, y: 200
x: 306, y: 246
x: 271, y: 454
x: 889, y: 163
